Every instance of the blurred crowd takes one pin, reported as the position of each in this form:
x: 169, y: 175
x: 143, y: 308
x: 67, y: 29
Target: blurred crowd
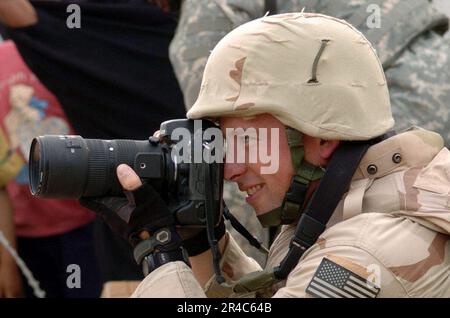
x: 118, y: 68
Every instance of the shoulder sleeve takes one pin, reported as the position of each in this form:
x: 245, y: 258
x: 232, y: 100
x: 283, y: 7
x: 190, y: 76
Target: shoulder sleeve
x: 176, y: 280
x: 172, y: 280
x: 234, y: 264
x: 202, y: 24
x: 341, y: 272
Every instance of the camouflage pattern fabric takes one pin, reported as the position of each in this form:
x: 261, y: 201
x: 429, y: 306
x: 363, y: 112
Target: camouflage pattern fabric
x: 402, y: 207
x: 415, y: 59
x: 419, y: 85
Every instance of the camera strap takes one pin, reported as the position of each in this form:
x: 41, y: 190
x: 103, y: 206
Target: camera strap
x: 270, y: 6
x: 252, y: 240
x: 212, y: 239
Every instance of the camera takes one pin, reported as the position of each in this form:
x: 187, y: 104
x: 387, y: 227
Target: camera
x: 73, y: 167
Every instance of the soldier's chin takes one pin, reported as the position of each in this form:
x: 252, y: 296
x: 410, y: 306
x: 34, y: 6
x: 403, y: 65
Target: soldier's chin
x: 261, y: 209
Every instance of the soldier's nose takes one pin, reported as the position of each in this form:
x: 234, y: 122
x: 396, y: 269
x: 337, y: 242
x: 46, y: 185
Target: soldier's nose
x: 232, y: 171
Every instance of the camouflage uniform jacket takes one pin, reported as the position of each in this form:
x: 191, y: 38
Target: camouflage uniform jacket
x: 388, y: 237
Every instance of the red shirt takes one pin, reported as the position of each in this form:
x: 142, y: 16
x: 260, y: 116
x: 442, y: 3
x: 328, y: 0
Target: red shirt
x: 27, y: 110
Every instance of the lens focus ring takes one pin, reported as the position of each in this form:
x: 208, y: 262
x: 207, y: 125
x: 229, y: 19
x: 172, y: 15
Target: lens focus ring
x: 98, y: 169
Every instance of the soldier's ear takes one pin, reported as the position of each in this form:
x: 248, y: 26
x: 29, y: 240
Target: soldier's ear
x: 318, y: 151
x: 326, y: 149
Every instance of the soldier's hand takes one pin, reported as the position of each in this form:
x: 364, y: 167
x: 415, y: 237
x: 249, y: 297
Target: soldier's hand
x: 128, y: 178
x: 138, y: 213
x: 143, y: 218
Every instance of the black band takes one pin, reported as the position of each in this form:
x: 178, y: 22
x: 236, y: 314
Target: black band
x: 271, y: 6
x: 198, y: 244
x: 155, y: 260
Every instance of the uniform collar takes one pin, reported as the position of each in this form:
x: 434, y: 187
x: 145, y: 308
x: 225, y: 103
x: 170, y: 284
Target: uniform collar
x: 415, y: 147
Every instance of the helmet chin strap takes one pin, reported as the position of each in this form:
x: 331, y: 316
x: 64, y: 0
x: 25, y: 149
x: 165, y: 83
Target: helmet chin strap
x: 296, y: 197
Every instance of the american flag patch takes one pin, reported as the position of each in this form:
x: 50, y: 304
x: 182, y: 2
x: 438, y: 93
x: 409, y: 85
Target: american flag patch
x: 334, y: 281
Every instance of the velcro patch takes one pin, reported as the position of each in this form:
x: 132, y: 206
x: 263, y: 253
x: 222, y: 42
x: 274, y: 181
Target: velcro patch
x: 334, y: 281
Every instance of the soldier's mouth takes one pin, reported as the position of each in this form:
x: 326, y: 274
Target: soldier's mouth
x: 253, y: 192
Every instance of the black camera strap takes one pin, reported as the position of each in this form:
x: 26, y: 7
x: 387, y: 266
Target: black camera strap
x: 212, y: 240
x: 270, y: 6
x: 252, y: 240
x: 320, y: 208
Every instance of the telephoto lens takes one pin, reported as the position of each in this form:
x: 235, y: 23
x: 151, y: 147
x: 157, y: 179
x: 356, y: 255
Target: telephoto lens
x: 178, y: 164
x: 74, y: 167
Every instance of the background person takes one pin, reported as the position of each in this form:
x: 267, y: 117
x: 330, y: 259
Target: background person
x: 51, y: 235
x: 112, y: 77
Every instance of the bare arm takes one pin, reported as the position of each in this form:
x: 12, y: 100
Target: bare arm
x: 10, y: 281
x: 6, y: 220
x: 17, y: 13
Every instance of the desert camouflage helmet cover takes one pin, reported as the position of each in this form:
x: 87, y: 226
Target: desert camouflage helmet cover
x: 315, y: 73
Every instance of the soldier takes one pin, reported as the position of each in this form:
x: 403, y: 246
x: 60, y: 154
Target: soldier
x: 406, y: 35
x: 365, y: 211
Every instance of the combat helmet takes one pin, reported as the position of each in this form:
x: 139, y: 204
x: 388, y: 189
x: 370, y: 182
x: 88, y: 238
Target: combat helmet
x: 319, y: 76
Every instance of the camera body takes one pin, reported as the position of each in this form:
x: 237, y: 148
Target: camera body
x: 74, y: 167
